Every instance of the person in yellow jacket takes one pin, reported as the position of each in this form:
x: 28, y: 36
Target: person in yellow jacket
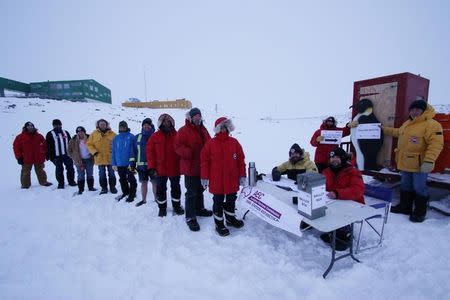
x: 100, y: 146
x: 420, y: 140
x: 298, y: 163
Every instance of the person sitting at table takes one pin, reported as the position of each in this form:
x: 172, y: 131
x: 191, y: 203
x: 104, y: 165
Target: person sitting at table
x: 343, y: 182
x: 298, y: 163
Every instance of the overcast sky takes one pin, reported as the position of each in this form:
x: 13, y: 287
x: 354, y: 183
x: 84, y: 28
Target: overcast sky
x: 290, y: 57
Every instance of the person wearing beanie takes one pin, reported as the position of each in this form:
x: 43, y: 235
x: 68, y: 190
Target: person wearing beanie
x: 189, y: 142
x: 420, y: 141
x: 57, y: 143
x: 82, y: 158
x: 223, y: 171
x: 343, y: 182
x: 99, y: 144
x: 138, y: 159
x: 164, y: 163
x: 322, y: 146
x: 122, y: 158
x: 298, y: 163
x: 30, y: 150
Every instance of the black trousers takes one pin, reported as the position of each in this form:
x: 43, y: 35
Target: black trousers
x: 161, y: 189
x: 224, y: 202
x: 193, y: 196
x: 127, y: 181
x: 60, y: 162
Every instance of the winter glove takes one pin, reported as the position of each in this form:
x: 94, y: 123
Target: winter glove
x: 114, y: 168
x: 152, y: 174
x: 95, y: 154
x: 20, y: 161
x: 276, y: 175
x: 353, y: 124
x: 205, y: 183
x: 133, y: 164
x: 426, y: 167
x: 332, y: 195
x: 243, y: 181
x: 132, y: 169
x: 319, y: 138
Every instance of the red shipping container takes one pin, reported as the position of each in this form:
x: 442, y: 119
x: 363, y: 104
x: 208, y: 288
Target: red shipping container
x: 443, y: 161
x: 391, y: 96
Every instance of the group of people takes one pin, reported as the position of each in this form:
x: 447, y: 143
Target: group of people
x: 163, y: 154
x: 157, y: 155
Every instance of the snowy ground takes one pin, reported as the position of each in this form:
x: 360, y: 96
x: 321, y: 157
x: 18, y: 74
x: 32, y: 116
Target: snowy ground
x: 56, y: 246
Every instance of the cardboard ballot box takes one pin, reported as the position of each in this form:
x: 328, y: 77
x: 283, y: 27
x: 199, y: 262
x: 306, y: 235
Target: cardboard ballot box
x: 311, y: 195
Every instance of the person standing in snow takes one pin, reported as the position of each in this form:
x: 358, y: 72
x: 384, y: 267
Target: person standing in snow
x: 322, y: 150
x: 189, y: 142
x: 57, y: 144
x: 100, y: 144
x: 164, y: 163
x: 82, y: 159
x: 30, y: 149
x: 223, y: 170
x: 420, y: 141
x: 139, y: 160
x: 343, y: 182
x: 122, y: 149
x: 298, y: 163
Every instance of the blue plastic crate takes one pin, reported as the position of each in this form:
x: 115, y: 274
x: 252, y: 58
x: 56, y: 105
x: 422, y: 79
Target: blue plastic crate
x: 378, y: 192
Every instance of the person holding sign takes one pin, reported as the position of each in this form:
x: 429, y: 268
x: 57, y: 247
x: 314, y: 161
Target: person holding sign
x: 326, y: 138
x: 343, y: 182
x: 223, y: 170
x: 420, y: 141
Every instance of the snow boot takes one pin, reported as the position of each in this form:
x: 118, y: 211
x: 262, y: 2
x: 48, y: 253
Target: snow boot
x: 229, y: 208
x: 120, y: 197
x: 80, y: 187
x: 203, y: 212
x: 104, y: 186
x: 90, y: 184
x: 405, y: 205
x: 131, y: 195
x: 177, y: 208
x: 72, y: 183
x: 420, y: 209
x: 162, y: 205
x: 220, y: 227
x: 193, y: 224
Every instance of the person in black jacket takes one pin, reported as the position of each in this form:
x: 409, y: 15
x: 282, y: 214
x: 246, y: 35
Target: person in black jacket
x: 57, y: 146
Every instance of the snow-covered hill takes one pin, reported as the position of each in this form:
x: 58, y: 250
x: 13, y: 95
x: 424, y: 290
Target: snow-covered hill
x: 56, y: 246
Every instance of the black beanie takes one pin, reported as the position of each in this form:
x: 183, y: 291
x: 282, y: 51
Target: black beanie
x: 194, y: 111
x: 56, y: 122
x: 296, y: 148
x: 341, y: 153
x: 147, y: 121
x: 123, y: 124
x: 420, y: 104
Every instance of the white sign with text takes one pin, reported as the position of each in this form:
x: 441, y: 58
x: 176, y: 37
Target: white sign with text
x: 370, y: 131
x: 331, y: 136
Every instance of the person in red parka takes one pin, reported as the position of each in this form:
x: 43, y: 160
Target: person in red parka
x: 164, y: 163
x: 30, y: 150
x: 343, y: 182
x: 188, y: 144
x: 317, y: 140
x: 223, y: 170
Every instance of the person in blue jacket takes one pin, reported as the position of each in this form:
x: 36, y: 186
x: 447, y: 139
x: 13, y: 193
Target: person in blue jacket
x: 122, y: 147
x: 138, y: 159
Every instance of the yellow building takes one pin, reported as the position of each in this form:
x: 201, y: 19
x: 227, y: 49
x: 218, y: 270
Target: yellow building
x: 177, y: 103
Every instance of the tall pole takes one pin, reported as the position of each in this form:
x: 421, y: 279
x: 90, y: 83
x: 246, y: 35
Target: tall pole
x: 145, y: 85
